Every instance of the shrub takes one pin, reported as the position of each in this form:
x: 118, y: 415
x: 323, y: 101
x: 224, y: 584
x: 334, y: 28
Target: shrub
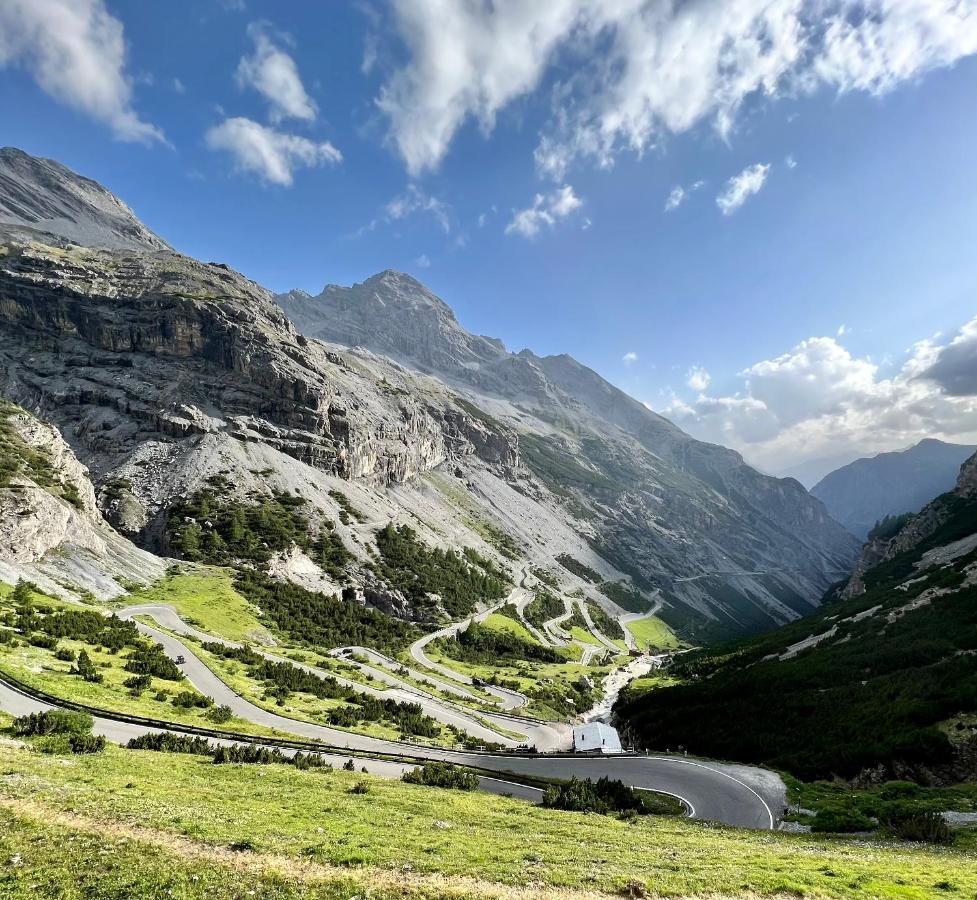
x: 602, y: 796
x: 138, y: 683
x: 443, y: 775
x: 44, y: 641
x: 166, y: 741
x: 361, y: 787
x: 219, y: 714
x: 64, y: 654
x: 841, y: 820
x: 192, y: 700
x: 53, y: 721
x: 86, y: 743
x: 85, y: 668
x: 926, y: 826
x: 152, y: 660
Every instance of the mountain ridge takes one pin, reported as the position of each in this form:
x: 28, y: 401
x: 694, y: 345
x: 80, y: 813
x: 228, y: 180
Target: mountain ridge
x: 562, y: 408
x: 867, y: 490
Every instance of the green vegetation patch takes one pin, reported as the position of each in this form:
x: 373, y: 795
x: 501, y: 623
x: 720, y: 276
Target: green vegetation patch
x: 652, y: 633
x: 461, y: 580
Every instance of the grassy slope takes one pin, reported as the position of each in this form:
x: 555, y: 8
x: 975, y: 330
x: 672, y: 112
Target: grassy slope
x: 653, y: 631
x: 411, y: 832
x: 206, y: 598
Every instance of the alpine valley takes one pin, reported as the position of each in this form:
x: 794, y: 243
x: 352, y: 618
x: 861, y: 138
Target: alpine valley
x: 326, y: 596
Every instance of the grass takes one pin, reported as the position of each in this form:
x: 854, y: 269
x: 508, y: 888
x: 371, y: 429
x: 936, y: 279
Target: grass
x: 39, y: 669
x: 498, y: 622
x: 654, y: 632
x: 205, y: 597
x: 526, y: 677
x: 164, y: 818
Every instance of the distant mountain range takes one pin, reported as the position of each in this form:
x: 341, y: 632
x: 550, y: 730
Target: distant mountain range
x: 867, y: 490
x: 166, y: 376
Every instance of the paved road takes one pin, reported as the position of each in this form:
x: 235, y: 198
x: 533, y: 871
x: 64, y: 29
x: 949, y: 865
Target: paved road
x: 18, y: 704
x: 206, y: 682
x: 511, y: 700
x: 711, y: 791
x: 735, y: 795
x: 596, y: 632
x: 637, y: 617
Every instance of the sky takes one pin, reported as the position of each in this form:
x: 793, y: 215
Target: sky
x: 758, y: 217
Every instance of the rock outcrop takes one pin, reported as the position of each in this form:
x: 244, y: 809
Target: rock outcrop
x: 50, y: 529
x: 919, y: 529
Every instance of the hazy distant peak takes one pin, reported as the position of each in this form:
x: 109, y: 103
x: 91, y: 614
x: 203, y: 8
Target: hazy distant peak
x: 44, y: 195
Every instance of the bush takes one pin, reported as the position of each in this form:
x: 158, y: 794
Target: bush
x: 841, y: 820
x: 604, y: 796
x: 53, y: 721
x: 219, y: 714
x: 44, y: 641
x: 85, y: 668
x: 443, y: 775
x: 167, y: 742
x: 86, y: 743
x: 361, y: 787
x: 192, y: 700
x: 152, y: 660
x: 926, y: 826
x: 64, y: 654
x: 138, y: 683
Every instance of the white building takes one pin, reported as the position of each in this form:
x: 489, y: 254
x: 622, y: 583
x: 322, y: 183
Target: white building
x: 596, y: 737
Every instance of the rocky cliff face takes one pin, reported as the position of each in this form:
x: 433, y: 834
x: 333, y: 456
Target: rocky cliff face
x: 921, y: 528
x: 732, y: 548
x: 51, y: 531
x: 123, y: 349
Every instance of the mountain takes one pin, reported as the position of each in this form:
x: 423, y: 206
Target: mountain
x: 878, y: 684
x: 866, y: 491
x: 184, y: 388
x: 740, y: 549
x: 43, y: 194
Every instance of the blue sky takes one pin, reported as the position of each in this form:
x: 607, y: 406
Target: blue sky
x: 518, y: 158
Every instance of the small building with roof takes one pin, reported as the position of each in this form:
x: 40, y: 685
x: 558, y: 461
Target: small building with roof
x: 596, y: 737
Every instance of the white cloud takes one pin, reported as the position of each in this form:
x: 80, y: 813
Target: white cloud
x: 842, y: 330
x: 423, y: 261
x: 415, y: 200
x: 818, y: 400
x: 179, y: 86
x: 75, y: 50
x: 741, y: 187
x: 697, y: 378
x: 680, y: 194
x: 274, y: 75
x: 643, y: 69
x: 271, y: 155
x: 675, y: 198
x: 790, y: 162
x: 545, y: 211
x: 629, y: 358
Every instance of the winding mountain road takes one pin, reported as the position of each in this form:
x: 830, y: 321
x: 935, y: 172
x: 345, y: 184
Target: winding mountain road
x: 735, y: 795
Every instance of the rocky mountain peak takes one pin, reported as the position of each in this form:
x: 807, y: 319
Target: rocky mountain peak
x: 44, y: 195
